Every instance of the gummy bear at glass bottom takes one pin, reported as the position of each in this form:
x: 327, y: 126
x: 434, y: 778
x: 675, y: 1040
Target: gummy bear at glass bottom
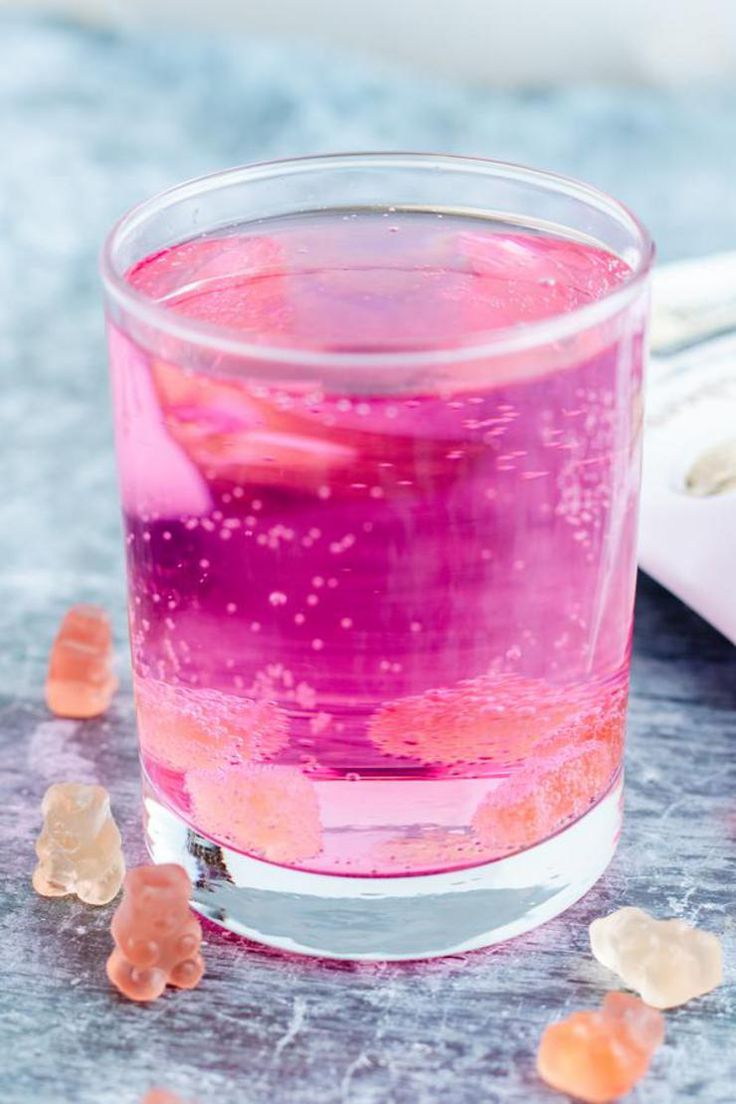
x: 157, y: 938
x: 666, y: 961
x: 599, y: 1056
x: 79, y: 847
x: 80, y: 681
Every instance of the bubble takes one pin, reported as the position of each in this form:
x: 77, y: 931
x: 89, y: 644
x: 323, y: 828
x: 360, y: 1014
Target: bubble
x: 277, y: 598
x: 324, y: 492
x: 416, y: 626
x: 299, y: 618
x: 346, y: 623
x: 167, y: 535
x: 256, y: 504
x: 231, y: 607
x: 255, y: 626
x: 318, y: 581
x: 238, y: 492
x: 318, y: 644
x: 312, y: 600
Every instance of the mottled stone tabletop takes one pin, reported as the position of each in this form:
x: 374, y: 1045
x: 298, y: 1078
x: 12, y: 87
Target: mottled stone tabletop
x: 90, y: 122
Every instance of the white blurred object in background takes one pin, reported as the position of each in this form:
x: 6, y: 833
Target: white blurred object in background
x: 687, y: 537
x: 493, y: 42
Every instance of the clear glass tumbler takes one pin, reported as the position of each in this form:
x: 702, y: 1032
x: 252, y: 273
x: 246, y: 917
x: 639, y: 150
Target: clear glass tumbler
x: 378, y: 424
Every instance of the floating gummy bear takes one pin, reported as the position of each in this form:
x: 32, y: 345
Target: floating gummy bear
x: 185, y: 728
x: 599, y: 1056
x: 487, y: 719
x: 156, y: 935
x: 666, y: 961
x: 80, y: 682
x: 271, y: 811
x: 79, y: 846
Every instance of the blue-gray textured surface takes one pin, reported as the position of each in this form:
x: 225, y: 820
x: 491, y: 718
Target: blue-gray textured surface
x: 89, y: 123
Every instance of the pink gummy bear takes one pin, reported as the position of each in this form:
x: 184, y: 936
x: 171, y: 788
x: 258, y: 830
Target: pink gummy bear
x: 156, y: 935
x: 80, y: 681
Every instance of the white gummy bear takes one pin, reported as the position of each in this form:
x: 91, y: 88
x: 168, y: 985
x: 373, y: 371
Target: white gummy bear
x: 667, y: 962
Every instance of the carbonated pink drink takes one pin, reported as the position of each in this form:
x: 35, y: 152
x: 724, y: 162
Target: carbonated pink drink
x: 379, y: 630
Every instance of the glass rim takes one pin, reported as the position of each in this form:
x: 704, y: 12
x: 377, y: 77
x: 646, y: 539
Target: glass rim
x: 511, y: 339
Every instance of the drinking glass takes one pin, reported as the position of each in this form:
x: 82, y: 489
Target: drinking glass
x: 378, y: 422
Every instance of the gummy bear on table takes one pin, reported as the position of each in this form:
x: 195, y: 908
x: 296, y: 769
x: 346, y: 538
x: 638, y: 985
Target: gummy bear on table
x: 667, y: 962
x: 80, y: 681
x: 157, y: 938
x: 599, y: 1056
x: 79, y: 849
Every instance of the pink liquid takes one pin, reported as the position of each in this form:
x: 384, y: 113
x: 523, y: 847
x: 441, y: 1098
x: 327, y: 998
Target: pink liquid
x: 380, y: 630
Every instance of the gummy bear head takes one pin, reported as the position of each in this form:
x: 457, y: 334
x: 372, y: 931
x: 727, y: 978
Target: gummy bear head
x: 159, y: 899
x: 74, y: 813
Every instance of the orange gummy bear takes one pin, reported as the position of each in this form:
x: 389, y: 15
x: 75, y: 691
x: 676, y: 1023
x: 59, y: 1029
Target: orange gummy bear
x: 492, y: 718
x: 184, y: 728
x: 79, y: 846
x: 520, y: 813
x: 157, y: 938
x: 271, y: 811
x: 599, y: 1056
x: 80, y: 682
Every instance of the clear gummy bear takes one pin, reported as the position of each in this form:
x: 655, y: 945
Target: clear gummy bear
x: 79, y: 847
x: 598, y: 1056
x: 666, y: 961
x: 157, y: 938
x: 80, y: 681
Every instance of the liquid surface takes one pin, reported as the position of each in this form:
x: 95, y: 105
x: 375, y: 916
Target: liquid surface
x: 380, y: 631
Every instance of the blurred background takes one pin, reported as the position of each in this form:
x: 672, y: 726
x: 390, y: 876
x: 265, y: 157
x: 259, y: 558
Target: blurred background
x: 494, y: 42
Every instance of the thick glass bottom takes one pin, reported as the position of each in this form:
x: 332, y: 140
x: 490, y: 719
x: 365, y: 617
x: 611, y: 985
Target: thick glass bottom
x: 424, y: 916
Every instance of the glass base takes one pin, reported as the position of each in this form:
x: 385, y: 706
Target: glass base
x: 395, y: 918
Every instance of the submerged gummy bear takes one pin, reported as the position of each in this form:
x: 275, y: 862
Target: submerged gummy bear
x: 271, y: 811
x: 666, y: 961
x: 522, y: 812
x: 79, y: 847
x: 157, y: 938
x: 185, y: 728
x: 80, y: 681
x: 429, y: 849
x: 599, y: 1056
x: 490, y: 718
